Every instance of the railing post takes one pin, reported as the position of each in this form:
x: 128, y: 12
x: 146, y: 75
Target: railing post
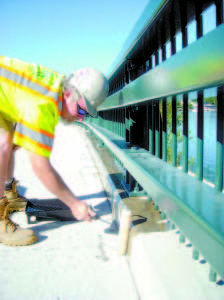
x: 172, y: 32
x: 219, y: 12
x: 127, y: 125
x: 200, y: 135
x: 120, y: 122
x: 157, y: 137
x: 123, y: 123
x: 198, y: 11
x: 174, y: 131
x: 164, y: 147
x: 151, y: 128
x: 185, y: 133
x: 183, y: 16
x: 219, y: 142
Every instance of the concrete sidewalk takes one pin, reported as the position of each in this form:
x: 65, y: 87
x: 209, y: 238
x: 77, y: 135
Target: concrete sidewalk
x: 70, y: 260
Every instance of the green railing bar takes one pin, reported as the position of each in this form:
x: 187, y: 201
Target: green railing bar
x: 219, y: 166
x: 219, y: 143
x: 112, y: 121
x: 157, y: 133
x: 174, y: 131
x: 152, y: 130
x: 120, y: 122
x: 126, y: 124
x: 116, y: 123
x: 123, y: 124
x: 200, y: 136
x: 175, y: 76
x: 199, y: 171
x: 144, y: 21
x: 185, y: 133
x: 164, y: 122
x: 206, y: 236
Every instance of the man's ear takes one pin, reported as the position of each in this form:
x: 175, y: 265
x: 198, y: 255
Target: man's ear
x: 67, y: 94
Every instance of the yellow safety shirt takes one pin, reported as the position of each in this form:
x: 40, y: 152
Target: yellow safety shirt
x: 31, y: 97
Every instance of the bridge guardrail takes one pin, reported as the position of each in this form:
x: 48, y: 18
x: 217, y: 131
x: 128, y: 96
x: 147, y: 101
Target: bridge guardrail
x: 195, y: 208
x: 165, y: 80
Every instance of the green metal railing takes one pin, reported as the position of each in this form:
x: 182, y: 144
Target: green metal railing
x: 162, y: 108
x: 197, y: 209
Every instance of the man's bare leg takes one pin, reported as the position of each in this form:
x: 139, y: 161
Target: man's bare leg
x: 5, y: 154
x: 10, y: 233
x: 11, y: 191
x: 11, y: 167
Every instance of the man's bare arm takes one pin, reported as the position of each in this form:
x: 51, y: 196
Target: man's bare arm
x: 53, y: 182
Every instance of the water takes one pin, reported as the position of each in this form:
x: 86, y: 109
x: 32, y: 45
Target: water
x: 209, y: 160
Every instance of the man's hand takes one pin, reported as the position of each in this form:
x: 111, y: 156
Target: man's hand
x: 52, y: 180
x: 82, y: 211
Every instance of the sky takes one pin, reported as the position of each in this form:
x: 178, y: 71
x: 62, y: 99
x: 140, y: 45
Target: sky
x: 69, y: 34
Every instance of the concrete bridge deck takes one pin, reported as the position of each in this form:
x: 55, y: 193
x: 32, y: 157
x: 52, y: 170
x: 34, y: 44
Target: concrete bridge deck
x: 70, y: 260
x: 78, y: 260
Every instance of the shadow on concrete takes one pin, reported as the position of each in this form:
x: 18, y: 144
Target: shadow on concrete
x: 102, y: 209
x: 50, y: 226
x: 56, y: 210
x: 41, y: 238
x: 38, y: 229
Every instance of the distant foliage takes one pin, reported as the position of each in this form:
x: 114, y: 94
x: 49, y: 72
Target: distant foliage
x: 208, y: 100
x: 179, y: 129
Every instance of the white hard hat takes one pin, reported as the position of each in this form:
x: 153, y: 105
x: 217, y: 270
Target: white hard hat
x: 92, y: 85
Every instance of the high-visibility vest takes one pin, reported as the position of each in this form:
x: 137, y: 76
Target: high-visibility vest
x: 31, y: 97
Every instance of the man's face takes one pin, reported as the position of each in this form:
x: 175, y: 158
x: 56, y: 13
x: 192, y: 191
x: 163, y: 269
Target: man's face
x: 74, y: 107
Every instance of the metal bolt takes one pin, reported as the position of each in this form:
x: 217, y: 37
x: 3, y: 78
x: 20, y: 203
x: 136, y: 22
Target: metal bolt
x: 182, y: 238
x: 195, y: 254
x: 172, y: 226
x: 156, y: 207
x: 212, y: 275
x: 163, y: 215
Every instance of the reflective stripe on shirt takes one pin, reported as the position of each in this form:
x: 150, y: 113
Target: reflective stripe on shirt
x: 29, y: 84
x: 31, y: 95
x: 38, y: 137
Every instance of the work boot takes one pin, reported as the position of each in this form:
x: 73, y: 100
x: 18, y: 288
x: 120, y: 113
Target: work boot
x: 10, y: 233
x: 14, y: 197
